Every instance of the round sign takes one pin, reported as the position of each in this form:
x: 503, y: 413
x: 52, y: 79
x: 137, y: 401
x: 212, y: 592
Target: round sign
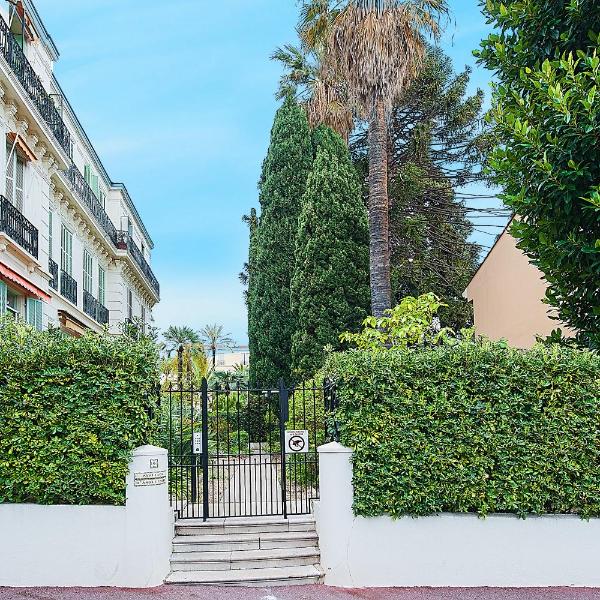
x: 296, y: 443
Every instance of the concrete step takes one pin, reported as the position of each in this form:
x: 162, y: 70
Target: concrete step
x: 249, y: 577
x: 229, y: 542
x: 244, y: 559
x: 244, y: 525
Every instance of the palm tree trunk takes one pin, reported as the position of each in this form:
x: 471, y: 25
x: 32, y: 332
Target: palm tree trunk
x: 379, y: 249
x: 214, y: 356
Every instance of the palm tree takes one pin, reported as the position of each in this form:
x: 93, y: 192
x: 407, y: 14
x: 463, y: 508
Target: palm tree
x: 214, y: 338
x: 175, y: 336
x: 375, y: 47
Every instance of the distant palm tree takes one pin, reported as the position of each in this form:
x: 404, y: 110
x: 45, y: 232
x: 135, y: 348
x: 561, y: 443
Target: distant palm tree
x: 175, y: 336
x: 214, y: 339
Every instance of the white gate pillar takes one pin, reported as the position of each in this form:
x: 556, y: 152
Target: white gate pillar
x: 149, y: 528
x: 334, y: 513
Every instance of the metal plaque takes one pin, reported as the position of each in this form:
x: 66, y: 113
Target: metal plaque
x: 147, y: 478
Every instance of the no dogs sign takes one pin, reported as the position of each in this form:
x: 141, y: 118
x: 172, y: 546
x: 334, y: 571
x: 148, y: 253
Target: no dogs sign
x: 296, y: 441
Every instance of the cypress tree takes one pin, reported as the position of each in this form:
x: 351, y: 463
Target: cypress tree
x: 281, y: 187
x: 330, y: 286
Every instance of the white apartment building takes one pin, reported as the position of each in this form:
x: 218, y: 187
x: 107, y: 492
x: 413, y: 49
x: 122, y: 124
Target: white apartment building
x: 74, y: 252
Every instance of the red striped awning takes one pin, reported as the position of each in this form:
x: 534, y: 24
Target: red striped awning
x: 22, y: 283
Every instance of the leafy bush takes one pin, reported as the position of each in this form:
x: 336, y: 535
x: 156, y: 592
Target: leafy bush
x: 71, y: 412
x: 471, y: 427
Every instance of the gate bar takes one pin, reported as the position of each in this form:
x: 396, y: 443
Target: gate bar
x: 204, y: 449
x: 284, y: 409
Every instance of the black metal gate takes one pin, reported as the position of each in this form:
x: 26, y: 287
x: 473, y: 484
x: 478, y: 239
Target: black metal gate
x: 236, y: 451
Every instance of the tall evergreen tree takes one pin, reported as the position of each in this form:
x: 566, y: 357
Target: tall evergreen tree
x: 330, y: 287
x: 281, y: 187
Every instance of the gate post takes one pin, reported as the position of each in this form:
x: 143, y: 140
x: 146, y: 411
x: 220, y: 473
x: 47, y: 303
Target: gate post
x: 204, y: 449
x: 284, y: 409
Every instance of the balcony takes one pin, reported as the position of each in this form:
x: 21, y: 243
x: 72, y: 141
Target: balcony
x: 15, y: 57
x: 68, y: 287
x: 126, y: 243
x: 53, y: 269
x: 17, y: 227
x: 94, y: 309
x: 80, y: 187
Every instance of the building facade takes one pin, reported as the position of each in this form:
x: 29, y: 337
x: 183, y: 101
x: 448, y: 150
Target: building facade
x: 74, y: 252
x: 228, y: 361
x: 507, y: 293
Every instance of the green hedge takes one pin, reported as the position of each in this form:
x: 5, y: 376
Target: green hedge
x: 71, y: 411
x: 477, y: 427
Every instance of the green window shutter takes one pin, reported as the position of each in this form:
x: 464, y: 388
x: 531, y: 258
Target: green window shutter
x: 95, y: 186
x: 34, y: 313
x: 2, y: 298
x: 87, y: 174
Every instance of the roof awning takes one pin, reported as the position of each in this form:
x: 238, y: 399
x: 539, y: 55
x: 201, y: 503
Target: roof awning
x: 70, y: 324
x: 22, y: 283
x: 21, y: 146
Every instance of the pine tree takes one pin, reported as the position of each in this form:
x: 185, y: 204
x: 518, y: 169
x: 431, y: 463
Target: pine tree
x: 330, y: 287
x: 281, y: 187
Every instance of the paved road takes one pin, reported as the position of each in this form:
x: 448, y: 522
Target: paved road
x: 309, y: 592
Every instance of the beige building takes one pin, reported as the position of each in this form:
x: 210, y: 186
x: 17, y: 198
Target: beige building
x: 507, y: 292
x: 229, y: 361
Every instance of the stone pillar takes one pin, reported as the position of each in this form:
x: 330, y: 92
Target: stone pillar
x: 149, y: 528
x: 335, y: 519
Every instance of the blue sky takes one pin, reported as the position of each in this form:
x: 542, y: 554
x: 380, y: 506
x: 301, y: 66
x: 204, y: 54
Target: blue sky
x: 177, y: 98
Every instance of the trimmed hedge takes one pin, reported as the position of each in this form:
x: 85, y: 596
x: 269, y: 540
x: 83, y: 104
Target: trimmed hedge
x: 476, y: 427
x: 71, y: 412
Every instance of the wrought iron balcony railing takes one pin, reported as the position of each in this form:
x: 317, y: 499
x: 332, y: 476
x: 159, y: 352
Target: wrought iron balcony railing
x: 17, y: 227
x: 94, y: 309
x: 126, y: 243
x: 68, y: 287
x: 53, y: 268
x: 80, y: 186
x: 32, y: 85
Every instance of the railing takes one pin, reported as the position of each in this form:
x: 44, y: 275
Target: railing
x: 68, y: 287
x: 18, y: 62
x: 17, y: 227
x: 53, y: 268
x: 126, y: 243
x: 94, y: 309
x: 87, y: 196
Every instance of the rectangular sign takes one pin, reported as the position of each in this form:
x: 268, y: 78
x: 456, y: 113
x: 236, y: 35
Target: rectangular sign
x: 296, y: 441
x: 197, y: 442
x: 147, y: 478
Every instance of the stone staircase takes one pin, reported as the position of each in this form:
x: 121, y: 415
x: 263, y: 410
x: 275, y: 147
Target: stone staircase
x: 255, y: 551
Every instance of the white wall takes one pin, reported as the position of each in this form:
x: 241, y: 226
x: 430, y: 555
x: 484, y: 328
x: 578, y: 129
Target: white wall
x: 447, y: 550
x: 64, y: 546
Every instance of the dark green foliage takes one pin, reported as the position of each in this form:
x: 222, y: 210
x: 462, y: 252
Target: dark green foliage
x: 435, y: 140
x: 471, y: 427
x: 330, y: 286
x: 281, y: 186
x: 546, y: 116
x: 71, y: 412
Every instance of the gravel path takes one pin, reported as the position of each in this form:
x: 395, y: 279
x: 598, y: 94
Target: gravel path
x: 310, y: 592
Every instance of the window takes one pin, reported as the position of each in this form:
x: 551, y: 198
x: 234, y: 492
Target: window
x: 66, y: 250
x: 34, y: 313
x: 93, y: 181
x: 3, y: 294
x: 50, y: 237
x: 143, y: 318
x: 15, y: 176
x: 13, y: 303
x: 129, y: 228
x: 88, y: 277
x: 129, y: 304
x: 101, y: 286
x: 143, y: 249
